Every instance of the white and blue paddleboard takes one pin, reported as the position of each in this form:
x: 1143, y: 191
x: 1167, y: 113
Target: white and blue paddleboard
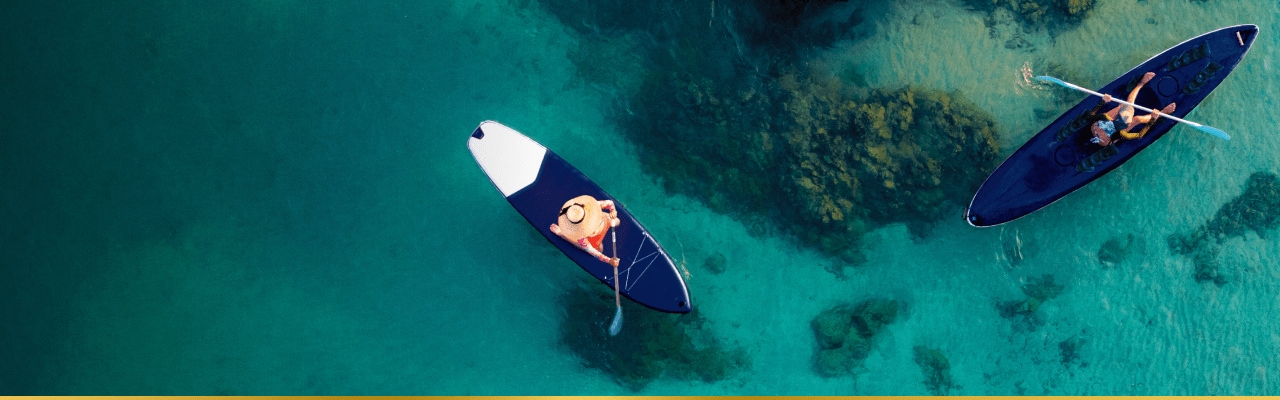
x: 537, y: 182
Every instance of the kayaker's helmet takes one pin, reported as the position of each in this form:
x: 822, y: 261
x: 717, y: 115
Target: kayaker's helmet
x: 580, y: 217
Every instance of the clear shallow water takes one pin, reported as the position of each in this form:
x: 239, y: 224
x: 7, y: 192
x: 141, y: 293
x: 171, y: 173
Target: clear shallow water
x: 275, y: 198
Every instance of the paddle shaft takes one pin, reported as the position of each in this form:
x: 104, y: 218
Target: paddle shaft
x: 1113, y: 98
x: 617, y: 298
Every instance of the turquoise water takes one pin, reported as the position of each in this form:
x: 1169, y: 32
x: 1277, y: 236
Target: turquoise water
x: 274, y: 197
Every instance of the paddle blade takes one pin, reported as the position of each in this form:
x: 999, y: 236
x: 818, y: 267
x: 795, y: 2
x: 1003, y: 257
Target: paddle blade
x: 616, y: 325
x: 1212, y: 131
x: 1050, y: 79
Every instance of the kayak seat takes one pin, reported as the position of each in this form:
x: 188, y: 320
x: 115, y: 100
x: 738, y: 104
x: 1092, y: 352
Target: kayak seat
x: 1077, y: 124
x: 1187, y: 57
x: 1097, y: 158
x: 1201, y: 78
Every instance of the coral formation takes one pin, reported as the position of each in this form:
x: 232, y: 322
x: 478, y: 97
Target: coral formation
x: 1071, y: 351
x: 844, y: 163
x: 651, y: 344
x: 936, y: 369
x: 1039, y: 13
x: 1115, y: 250
x: 845, y: 333
x: 878, y: 158
x: 1257, y: 209
x: 754, y: 131
x: 1038, y: 291
x: 716, y: 263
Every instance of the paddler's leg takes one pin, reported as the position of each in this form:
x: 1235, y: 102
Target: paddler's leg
x: 1126, y: 112
x: 1133, y: 94
x: 1149, y: 117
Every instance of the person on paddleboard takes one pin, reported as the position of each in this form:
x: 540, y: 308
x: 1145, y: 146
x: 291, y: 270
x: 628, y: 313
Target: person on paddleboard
x: 1104, y: 126
x: 583, y: 222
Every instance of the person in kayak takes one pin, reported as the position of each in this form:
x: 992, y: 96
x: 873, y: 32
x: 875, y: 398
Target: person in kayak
x: 1103, y: 126
x: 583, y: 222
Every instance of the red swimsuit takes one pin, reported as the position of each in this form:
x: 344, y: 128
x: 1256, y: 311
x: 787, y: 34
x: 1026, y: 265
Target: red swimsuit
x: 597, y: 241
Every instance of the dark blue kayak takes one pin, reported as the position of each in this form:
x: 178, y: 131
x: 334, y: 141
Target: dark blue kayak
x: 1061, y: 159
x: 537, y: 182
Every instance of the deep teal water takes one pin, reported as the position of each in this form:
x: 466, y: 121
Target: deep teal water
x: 275, y: 197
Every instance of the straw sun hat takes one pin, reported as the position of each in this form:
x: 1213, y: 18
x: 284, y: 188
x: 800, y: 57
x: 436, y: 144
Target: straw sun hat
x: 580, y: 217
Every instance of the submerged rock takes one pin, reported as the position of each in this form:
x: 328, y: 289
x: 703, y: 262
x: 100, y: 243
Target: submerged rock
x: 716, y: 263
x: 936, y: 369
x: 1256, y: 210
x: 831, y: 327
x: 657, y: 344
x: 1207, y: 266
x: 1042, y: 288
x: 1038, y: 291
x: 872, y: 315
x: 1115, y: 250
x: 845, y: 334
x: 1035, y: 14
x: 1071, y: 351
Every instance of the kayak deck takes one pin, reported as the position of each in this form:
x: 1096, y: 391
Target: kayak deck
x: 1061, y: 159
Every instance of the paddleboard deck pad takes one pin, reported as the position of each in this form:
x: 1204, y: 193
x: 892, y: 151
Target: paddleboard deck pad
x: 1061, y: 159
x: 537, y: 182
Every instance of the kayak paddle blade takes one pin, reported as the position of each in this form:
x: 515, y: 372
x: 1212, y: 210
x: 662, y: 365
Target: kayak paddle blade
x: 1212, y: 131
x: 1050, y: 79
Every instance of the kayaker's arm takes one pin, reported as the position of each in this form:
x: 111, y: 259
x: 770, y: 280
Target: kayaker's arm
x: 1137, y: 135
x: 1103, y: 102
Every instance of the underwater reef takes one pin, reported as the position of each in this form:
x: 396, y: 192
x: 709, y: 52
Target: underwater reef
x: 936, y: 369
x: 728, y: 110
x: 884, y: 156
x: 846, y: 332
x: 817, y: 23
x: 1257, y: 209
x: 716, y: 263
x: 1023, y: 312
x: 1070, y: 349
x: 1053, y: 14
x: 651, y: 345
x: 1115, y: 250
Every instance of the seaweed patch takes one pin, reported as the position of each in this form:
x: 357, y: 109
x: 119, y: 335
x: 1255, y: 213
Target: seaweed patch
x: 846, y: 332
x: 651, y: 346
x: 1256, y: 210
x: 727, y: 109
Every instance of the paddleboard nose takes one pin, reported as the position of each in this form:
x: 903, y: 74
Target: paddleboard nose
x: 511, y: 159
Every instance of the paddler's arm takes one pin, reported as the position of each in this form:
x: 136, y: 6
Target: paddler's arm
x: 584, y: 245
x: 1094, y: 115
x: 607, y: 205
x: 1145, y: 127
x: 1106, y: 98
